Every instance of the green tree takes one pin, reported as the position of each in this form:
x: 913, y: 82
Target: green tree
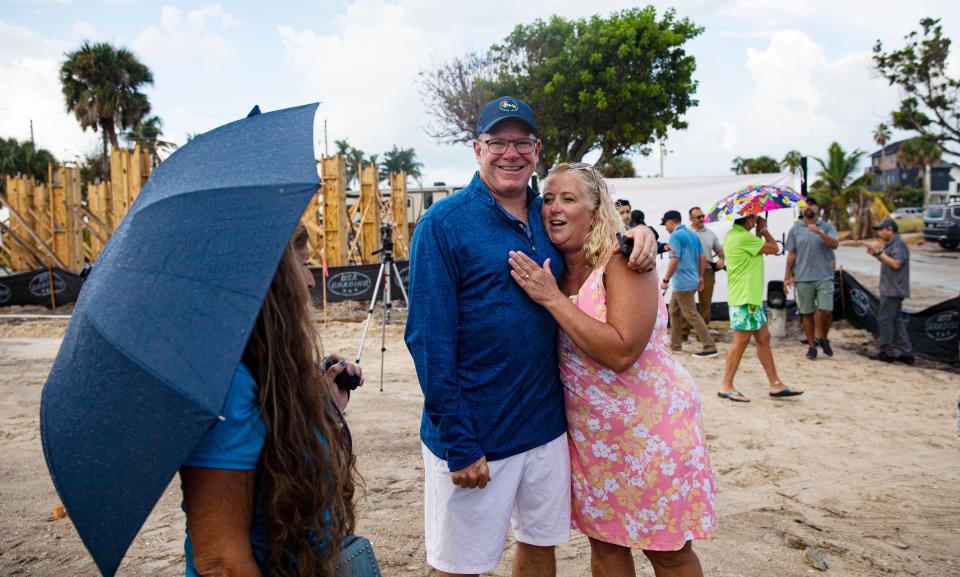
x: 401, y: 159
x: 791, y: 161
x: 354, y: 158
x: 101, y: 87
x: 24, y: 158
x: 930, y: 105
x: 921, y: 153
x: 618, y: 167
x: 759, y: 165
x: 612, y: 85
x: 739, y: 165
x: 881, y: 135
x: 839, y: 188
x: 147, y: 134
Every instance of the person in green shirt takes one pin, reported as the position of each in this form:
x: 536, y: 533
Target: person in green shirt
x: 744, y: 259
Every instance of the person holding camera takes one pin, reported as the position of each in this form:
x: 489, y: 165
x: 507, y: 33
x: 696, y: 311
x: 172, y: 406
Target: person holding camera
x: 269, y: 489
x: 493, y: 428
x: 894, y: 258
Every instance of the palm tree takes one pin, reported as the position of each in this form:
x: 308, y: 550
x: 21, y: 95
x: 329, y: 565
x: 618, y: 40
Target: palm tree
x: 921, y: 153
x: 24, y: 158
x: 839, y: 189
x: 881, y: 135
x: 762, y: 165
x: 759, y: 165
x: 101, y: 86
x: 147, y: 134
x: 354, y: 158
x: 739, y: 165
x: 791, y: 161
x: 401, y: 160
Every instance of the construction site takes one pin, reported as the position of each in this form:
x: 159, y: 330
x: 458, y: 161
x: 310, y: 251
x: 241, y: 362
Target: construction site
x: 50, y: 232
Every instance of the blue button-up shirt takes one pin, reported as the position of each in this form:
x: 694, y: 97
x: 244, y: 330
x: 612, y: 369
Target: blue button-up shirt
x: 686, y: 247
x: 485, y: 353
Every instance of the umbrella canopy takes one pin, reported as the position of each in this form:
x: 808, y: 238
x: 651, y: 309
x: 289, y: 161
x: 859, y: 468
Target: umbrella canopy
x: 754, y: 200
x: 163, y: 319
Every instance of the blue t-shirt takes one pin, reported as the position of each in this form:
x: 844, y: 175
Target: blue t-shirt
x: 686, y: 247
x: 234, y: 443
x: 485, y: 353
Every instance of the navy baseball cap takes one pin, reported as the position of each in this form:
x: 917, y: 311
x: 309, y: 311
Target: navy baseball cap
x: 887, y: 223
x: 503, y: 108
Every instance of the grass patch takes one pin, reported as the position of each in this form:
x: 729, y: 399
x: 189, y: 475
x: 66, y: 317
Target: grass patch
x: 910, y: 224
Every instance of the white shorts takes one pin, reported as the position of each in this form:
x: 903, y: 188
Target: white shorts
x: 466, y: 529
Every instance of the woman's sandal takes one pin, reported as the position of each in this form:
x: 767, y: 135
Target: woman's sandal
x: 735, y: 396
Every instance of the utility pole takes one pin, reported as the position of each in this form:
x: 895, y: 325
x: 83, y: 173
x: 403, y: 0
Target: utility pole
x: 663, y: 152
x: 31, y: 132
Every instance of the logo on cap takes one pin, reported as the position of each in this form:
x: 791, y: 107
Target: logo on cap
x: 508, y: 105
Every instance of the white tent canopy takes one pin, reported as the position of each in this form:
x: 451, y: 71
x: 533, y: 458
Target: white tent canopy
x: 655, y: 196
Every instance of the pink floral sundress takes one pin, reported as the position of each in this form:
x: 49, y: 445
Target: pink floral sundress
x: 638, y: 450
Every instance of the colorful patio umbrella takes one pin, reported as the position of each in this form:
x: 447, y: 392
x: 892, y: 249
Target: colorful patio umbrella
x: 754, y: 199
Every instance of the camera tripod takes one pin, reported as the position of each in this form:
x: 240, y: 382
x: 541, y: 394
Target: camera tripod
x: 388, y: 267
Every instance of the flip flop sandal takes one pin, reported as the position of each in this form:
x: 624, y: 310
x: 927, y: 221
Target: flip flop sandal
x: 735, y: 396
x: 786, y: 392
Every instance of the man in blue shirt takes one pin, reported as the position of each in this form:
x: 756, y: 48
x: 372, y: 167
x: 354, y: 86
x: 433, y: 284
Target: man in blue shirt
x: 493, y: 426
x: 686, y: 271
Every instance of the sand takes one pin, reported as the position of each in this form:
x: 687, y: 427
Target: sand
x: 865, y: 467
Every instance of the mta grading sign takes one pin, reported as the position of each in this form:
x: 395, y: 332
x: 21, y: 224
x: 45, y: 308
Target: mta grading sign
x: 356, y: 283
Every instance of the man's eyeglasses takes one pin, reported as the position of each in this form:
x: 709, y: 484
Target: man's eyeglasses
x: 698, y: 217
x: 500, y: 146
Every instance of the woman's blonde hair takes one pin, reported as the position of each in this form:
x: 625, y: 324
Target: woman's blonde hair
x: 606, y: 222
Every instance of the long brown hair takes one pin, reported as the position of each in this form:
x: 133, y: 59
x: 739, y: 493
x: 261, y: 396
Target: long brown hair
x: 305, y: 477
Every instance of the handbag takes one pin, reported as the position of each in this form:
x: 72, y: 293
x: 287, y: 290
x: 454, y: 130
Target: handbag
x: 357, y: 558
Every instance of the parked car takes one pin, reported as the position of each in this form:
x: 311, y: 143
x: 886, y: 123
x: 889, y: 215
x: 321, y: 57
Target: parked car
x: 907, y: 211
x: 941, y: 224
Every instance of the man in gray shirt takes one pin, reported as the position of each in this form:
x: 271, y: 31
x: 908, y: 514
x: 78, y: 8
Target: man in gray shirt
x: 894, y: 257
x: 810, y: 244
x: 713, y: 251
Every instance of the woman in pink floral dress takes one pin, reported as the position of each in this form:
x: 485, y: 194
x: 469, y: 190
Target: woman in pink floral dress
x: 641, y: 470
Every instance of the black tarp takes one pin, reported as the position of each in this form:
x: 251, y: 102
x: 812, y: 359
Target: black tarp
x: 934, y: 332
x: 33, y: 288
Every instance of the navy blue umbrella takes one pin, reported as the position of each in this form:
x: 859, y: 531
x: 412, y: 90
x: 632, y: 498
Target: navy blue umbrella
x: 163, y: 319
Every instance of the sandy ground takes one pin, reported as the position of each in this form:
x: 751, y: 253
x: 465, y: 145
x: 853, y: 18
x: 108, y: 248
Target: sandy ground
x: 865, y: 467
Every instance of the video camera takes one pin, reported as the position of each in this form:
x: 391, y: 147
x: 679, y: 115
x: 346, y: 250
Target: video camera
x: 386, y: 240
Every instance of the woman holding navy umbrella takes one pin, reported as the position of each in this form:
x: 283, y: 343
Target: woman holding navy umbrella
x: 269, y: 490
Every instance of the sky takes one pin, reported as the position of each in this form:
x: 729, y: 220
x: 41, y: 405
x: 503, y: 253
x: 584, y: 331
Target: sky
x: 773, y: 75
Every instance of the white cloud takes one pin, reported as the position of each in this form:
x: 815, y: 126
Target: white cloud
x: 181, y: 39
x: 83, y: 31
x: 29, y: 67
x: 366, y: 73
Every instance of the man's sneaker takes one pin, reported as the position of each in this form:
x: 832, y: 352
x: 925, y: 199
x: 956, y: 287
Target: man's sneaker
x: 812, y: 353
x: 883, y: 357
x: 827, y: 349
x: 706, y: 354
x: 907, y: 360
